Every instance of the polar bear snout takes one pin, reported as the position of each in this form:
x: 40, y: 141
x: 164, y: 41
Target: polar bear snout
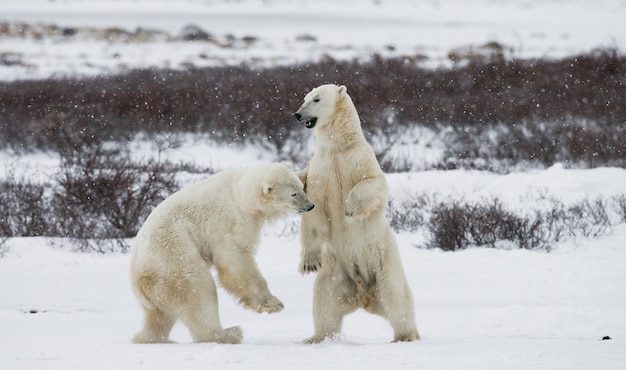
x: 303, y: 204
x: 307, y: 207
x: 309, y: 122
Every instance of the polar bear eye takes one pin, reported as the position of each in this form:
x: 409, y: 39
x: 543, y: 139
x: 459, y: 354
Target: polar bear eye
x: 316, y: 100
x: 294, y: 195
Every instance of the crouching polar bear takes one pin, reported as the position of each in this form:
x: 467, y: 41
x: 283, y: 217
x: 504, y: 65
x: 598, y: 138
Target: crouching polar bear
x: 214, y: 223
x: 346, y: 238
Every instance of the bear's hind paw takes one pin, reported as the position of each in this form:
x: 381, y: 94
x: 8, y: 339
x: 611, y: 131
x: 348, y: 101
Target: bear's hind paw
x: 141, y: 338
x: 314, y: 340
x: 233, y: 335
x: 321, y: 338
x: 409, y: 337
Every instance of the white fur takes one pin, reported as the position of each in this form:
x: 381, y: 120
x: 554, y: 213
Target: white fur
x: 346, y: 238
x: 214, y: 223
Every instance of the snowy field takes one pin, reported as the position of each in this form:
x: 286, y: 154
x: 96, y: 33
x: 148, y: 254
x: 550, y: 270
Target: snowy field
x: 475, y: 309
x: 271, y: 32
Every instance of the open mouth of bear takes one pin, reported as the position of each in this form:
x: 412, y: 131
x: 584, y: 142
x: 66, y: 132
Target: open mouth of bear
x: 311, y: 122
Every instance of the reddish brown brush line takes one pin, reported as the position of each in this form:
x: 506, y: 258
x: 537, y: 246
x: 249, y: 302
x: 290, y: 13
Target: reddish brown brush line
x: 572, y: 109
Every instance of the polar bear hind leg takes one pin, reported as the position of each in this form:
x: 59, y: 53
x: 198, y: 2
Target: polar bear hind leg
x: 330, y: 294
x: 395, y: 303
x: 157, y: 326
x: 191, y: 297
x: 200, y: 313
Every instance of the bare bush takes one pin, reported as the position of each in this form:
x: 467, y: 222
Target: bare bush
x: 619, y: 205
x: 408, y: 215
x: 587, y: 218
x: 103, y: 197
x: 23, y: 208
x: 448, y: 225
x: 572, y: 141
x: 569, y: 110
x: 4, y: 246
x: 455, y: 225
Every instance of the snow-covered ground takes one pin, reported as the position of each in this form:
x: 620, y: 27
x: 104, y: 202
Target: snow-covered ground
x: 300, y: 31
x: 477, y: 309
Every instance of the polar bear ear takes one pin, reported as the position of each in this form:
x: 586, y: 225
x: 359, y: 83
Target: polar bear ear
x: 342, y: 89
x: 288, y: 165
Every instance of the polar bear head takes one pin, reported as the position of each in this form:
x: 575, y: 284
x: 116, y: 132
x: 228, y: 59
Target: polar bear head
x: 320, y: 105
x: 281, y: 190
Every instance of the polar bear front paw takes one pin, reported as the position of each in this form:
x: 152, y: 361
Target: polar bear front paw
x: 366, y: 199
x: 311, y: 262
x: 358, y: 210
x: 311, y: 267
x: 271, y: 305
x: 355, y: 209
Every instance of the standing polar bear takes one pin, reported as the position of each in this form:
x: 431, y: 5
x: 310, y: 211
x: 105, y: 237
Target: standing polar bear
x: 346, y: 238
x: 214, y: 223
